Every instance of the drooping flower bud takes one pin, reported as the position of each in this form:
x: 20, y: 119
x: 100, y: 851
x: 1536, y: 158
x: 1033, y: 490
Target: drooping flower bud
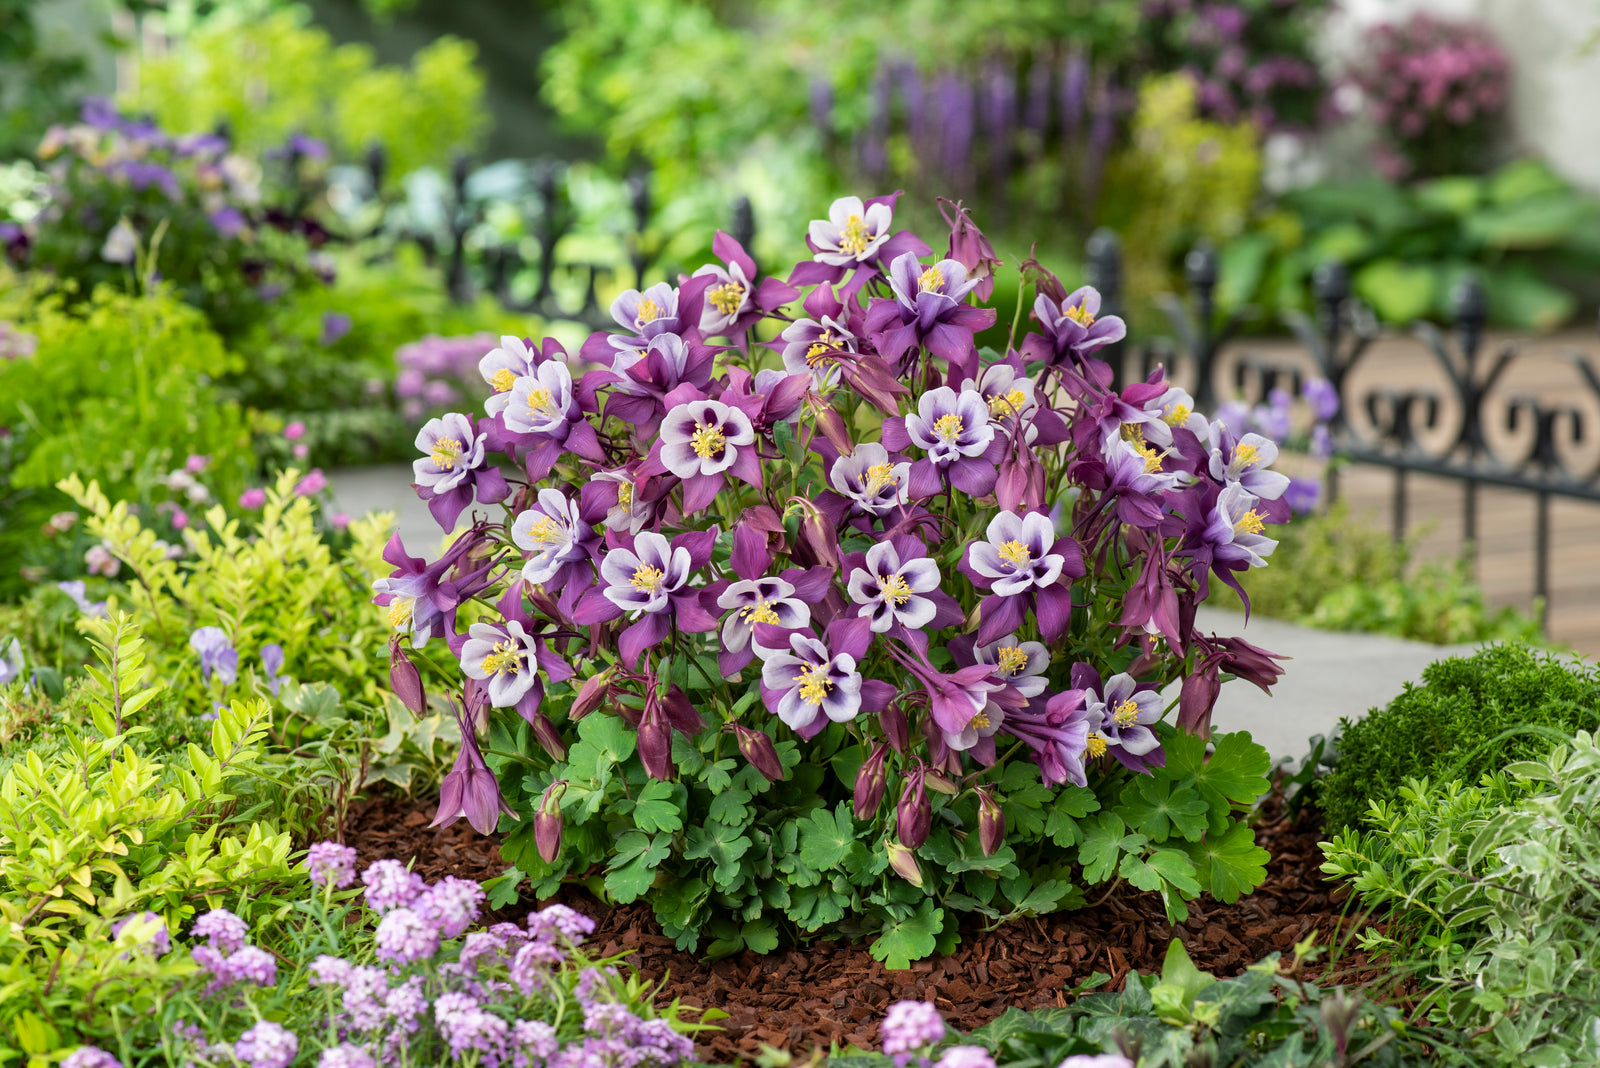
x: 970, y: 248
x: 895, y: 727
x: 913, y: 817
x: 818, y: 535
x: 991, y: 823
x: 593, y: 692
x: 547, y: 821
x: 758, y: 749
x: 1196, y: 699
x: 548, y: 736
x: 938, y: 780
x: 832, y: 425
x: 406, y: 680
x: 655, y: 740
x: 870, y: 782
x: 903, y: 862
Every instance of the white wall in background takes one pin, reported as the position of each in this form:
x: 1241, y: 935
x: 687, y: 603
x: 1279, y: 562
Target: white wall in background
x: 1554, y: 47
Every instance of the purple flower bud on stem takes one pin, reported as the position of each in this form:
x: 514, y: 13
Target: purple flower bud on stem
x: 655, y: 740
x: 913, y: 817
x: 758, y: 749
x: 903, y: 862
x: 870, y: 783
x: 895, y: 728
x: 405, y: 679
x: 549, y: 737
x: 991, y: 823
x: 591, y: 694
x: 547, y: 822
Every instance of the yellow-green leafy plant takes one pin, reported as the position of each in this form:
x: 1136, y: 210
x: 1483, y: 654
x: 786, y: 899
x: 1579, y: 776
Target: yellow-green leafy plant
x: 105, y: 829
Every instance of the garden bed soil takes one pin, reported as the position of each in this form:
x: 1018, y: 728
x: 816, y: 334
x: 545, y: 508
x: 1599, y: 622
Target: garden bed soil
x: 834, y: 992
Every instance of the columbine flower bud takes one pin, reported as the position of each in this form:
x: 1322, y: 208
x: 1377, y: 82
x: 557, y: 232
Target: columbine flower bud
x: 594, y: 690
x: 831, y: 423
x: 405, y: 679
x: 818, y: 535
x: 913, y: 816
x: 870, y: 783
x: 903, y: 863
x: 1196, y: 699
x: 547, y: 822
x: 758, y: 749
x: 991, y: 824
x: 895, y: 727
x: 938, y: 780
x: 655, y: 740
x: 549, y: 737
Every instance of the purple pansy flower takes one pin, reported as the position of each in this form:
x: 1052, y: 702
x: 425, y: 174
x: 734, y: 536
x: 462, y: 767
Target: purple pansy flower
x: 929, y: 310
x: 217, y: 654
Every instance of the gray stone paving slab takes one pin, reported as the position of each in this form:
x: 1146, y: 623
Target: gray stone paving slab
x: 1332, y: 674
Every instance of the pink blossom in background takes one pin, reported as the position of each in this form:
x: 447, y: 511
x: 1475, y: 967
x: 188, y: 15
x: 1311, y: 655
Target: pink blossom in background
x: 312, y: 484
x: 295, y: 430
x: 253, y: 498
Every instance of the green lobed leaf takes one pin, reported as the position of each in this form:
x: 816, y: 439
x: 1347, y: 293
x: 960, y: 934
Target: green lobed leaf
x: 909, y: 939
x: 826, y: 838
x: 659, y: 807
x: 1229, y: 864
x: 1156, y: 806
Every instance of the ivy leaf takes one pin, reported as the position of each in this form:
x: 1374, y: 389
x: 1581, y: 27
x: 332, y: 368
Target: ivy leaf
x: 1152, y: 806
x: 1229, y: 864
x: 633, y: 869
x: 912, y: 938
x: 659, y: 807
x: 826, y: 837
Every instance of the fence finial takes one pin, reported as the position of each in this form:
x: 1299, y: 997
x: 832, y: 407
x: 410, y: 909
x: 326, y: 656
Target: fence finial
x: 1470, y: 306
x: 1104, y: 267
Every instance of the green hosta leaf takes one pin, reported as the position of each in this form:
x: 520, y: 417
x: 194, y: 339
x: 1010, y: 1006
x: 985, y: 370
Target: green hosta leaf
x: 909, y: 939
x: 659, y: 807
x: 1156, y: 807
x: 1535, y: 223
x: 1229, y: 864
x: 826, y: 838
x: 633, y: 868
x: 1525, y: 179
x: 1398, y: 292
x: 1455, y: 195
x: 1520, y: 299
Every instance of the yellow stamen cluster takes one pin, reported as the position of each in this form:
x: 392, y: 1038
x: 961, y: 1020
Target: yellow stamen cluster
x: 538, y: 401
x: 400, y: 611
x: 446, y: 451
x: 1014, y: 553
x: 1249, y: 523
x: 1005, y: 404
x: 503, y: 380
x: 625, y: 494
x: 504, y: 659
x: 1011, y: 660
x: 980, y: 721
x: 854, y: 237
x: 546, y: 531
x: 948, y: 427
x: 1246, y: 456
x: 1126, y: 713
x: 649, y: 312
x: 814, y: 683
x: 727, y: 297
x: 932, y: 281
x: 880, y: 477
x: 1176, y: 415
x: 760, y: 612
x: 1152, y: 459
x: 1132, y: 431
x: 707, y: 440
x: 1080, y: 315
x: 647, y: 579
x: 895, y: 589
x: 1096, y: 746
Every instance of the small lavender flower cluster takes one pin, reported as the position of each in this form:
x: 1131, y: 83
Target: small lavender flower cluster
x: 436, y: 372
x: 911, y: 1029
x: 1301, y: 425
x: 1434, y: 87
x: 866, y: 522
x: 519, y: 996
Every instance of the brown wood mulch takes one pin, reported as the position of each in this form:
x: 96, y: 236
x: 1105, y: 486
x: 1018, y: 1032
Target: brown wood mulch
x: 834, y: 992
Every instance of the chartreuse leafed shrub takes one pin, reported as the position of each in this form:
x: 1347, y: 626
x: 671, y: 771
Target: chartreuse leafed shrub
x: 104, y: 829
x: 1268, y: 1016
x: 852, y: 635
x: 1469, y: 715
x: 119, y: 391
x: 1490, y: 897
x: 265, y: 607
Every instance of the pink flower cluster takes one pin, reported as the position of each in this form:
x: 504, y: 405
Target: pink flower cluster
x: 436, y: 372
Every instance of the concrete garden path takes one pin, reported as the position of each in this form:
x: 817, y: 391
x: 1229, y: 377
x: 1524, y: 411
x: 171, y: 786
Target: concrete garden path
x: 1331, y: 675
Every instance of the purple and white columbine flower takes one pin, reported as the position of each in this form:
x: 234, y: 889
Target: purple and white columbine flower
x: 642, y: 579
x: 873, y: 482
x: 502, y: 367
x: 763, y: 600
x: 1075, y: 326
x: 703, y: 441
x: 505, y: 656
x: 553, y: 533
x: 1245, y: 462
x: 1016, y: 556
x: 955, y: 431
x: 1021, y: 665
x: 1122, y: 717
x: 929, y: 309
x: 451, y: 448
x: 1234, y: 531
x: 626, y: 513
x: 887, y: 589
x: 1057, y: 734
x: 645, y: 315
x: 1175, y: 408
x: 807, y: 684
x: 806, y: 348
x: 728, y: 299
x: 217, y: 654
x: 542, y: 401
x: 852, y: 233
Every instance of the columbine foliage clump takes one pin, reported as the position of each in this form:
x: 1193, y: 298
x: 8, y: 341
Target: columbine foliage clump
x: 823, y: 628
